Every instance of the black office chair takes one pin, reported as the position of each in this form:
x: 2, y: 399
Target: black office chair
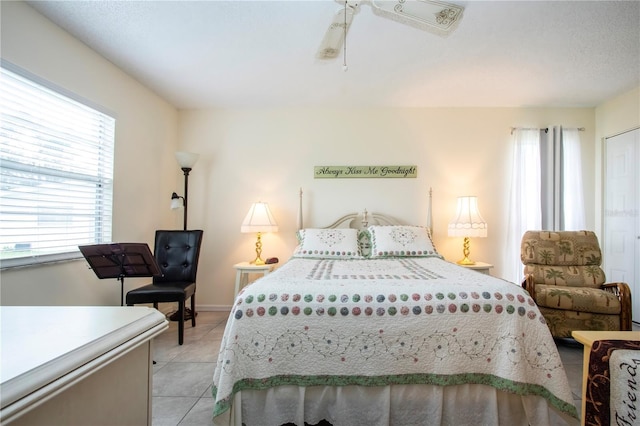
x: 177, y: 254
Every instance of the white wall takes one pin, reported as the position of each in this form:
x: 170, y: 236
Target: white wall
x: 145, y: 169
x: 248, y: 155
x: 615, y: 116
x: 251, y: 155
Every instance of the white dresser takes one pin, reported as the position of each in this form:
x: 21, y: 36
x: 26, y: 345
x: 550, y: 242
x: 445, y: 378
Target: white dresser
x: 72, y: 365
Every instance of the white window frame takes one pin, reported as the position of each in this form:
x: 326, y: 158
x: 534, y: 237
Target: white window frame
x: 56, y: 171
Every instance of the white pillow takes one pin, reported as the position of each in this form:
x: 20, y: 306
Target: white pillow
x: 401, y: 241
x: 328, y: 243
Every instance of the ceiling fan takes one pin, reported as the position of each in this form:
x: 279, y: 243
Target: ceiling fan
x: 429, y: 15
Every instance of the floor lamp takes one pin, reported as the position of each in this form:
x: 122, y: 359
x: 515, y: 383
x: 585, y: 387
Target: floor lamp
x: 186, y: 161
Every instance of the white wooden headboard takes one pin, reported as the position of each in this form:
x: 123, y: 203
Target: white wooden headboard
x: 364, y: 219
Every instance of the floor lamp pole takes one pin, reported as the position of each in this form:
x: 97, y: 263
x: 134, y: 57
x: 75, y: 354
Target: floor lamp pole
x: 187, y: 312
x: 186, y: 171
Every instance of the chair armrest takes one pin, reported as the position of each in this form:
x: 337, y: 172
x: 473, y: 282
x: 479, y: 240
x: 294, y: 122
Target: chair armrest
x: 530, y: 286
x: 622, y: 291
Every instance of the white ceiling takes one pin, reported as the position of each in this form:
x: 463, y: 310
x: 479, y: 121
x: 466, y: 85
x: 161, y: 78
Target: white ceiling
x: 202, y: 54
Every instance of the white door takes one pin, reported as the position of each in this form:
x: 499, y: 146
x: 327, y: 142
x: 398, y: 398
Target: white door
x: 622, y: 213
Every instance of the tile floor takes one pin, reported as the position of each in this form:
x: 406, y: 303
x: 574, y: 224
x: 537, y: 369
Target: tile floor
x: 183, y: 374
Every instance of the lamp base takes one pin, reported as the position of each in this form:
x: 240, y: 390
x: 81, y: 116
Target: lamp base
x: 258, y: 260
x: 465, y: 252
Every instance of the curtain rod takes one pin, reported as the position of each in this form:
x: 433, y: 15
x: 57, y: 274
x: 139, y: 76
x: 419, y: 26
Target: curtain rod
x: 546, y: 129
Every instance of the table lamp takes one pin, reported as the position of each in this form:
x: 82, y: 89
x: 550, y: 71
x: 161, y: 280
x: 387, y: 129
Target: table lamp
x: 259, y: 219
x: 467, y: 223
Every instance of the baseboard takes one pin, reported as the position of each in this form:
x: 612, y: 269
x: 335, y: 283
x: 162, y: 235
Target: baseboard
x: 213, y: 308
x: 168, y: 308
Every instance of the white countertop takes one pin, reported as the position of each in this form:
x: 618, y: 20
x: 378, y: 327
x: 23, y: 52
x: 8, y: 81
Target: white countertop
x: 41, y: 344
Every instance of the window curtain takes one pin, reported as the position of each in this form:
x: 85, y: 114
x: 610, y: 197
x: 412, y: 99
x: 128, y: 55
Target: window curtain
x: 573, y: 191
x: 562, y: 199
x: 546, y: 188
x: 550, y: 178
x: 524, y: 200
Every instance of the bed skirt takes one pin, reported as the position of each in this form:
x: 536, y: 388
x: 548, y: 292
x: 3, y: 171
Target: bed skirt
x: 467, y: 404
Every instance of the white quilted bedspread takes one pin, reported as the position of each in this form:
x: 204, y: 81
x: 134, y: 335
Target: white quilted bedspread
x: 377, y: 322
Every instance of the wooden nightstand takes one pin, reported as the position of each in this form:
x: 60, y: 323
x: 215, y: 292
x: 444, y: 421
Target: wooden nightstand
x: 243, y: 269
x: 481, y: 267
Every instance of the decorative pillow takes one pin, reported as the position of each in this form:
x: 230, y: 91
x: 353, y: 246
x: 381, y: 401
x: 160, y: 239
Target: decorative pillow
x: 364, y: 242
x: 401, y: 241
x: 328, y: 243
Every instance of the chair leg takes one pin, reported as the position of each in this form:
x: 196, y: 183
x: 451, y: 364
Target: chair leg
x: 155, y: 305
x: 193, y: 310
x: 181, y: 322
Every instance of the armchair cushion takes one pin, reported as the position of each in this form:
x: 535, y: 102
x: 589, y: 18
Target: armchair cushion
x: 561, y: 323
x: 566, y: 258
x: 568, y: 276
x: 560, y: 248
x: 579, y: 299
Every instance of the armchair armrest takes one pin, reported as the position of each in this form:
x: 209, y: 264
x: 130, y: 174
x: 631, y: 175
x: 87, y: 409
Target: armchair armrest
x: 530, y: 286
x: 622, y: 291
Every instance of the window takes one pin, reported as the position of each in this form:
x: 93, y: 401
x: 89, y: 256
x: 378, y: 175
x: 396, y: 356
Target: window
x: 56, y: 173
x: 546, y: 188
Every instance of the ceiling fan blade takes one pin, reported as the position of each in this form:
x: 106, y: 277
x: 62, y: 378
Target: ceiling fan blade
x: 334, y: 37
x: 431, y: 15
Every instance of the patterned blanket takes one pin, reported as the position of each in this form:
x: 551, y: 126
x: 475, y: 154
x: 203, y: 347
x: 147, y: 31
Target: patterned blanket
x: 612, y: 383
x: 377, y: 322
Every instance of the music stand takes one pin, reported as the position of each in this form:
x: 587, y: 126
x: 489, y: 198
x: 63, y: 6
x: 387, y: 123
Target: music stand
x: 120, y: 260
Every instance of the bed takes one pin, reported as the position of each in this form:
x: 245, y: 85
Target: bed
x: 369, y: 325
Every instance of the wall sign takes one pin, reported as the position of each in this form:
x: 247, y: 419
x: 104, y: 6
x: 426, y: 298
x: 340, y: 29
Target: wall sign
x: 335, y: 172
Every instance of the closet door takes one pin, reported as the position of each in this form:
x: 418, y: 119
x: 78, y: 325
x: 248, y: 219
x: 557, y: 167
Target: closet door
x: 622, y: 213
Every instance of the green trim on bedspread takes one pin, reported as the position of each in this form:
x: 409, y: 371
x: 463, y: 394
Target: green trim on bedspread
x: 499, y: 383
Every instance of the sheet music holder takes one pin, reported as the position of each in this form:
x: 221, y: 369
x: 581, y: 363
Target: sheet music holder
x: 120, y: 260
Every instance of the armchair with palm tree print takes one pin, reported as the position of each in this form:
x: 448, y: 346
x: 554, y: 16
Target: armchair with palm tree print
x: 563, y: 275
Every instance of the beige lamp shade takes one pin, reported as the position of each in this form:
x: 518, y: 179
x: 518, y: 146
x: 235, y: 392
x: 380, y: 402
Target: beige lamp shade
x: 468, y: 222
x: 259, y: 219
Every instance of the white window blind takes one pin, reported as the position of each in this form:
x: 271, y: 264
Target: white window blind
x: 56, y: 173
